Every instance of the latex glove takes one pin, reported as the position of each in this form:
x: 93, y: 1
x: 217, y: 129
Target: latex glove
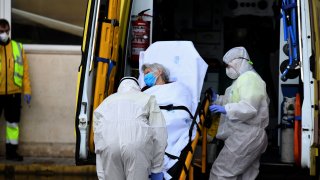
x: 27, y: 98
x: 157, y: 176
x: 217, y: 109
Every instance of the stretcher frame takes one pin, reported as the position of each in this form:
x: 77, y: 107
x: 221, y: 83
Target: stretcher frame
x: 202, y: 113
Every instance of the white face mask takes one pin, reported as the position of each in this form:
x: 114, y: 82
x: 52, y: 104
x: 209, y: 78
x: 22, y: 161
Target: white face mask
x: 4, y: 37
x: 232, y: 73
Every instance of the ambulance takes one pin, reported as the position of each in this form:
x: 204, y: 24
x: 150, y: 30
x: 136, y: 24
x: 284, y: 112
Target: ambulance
x: 281, y: 37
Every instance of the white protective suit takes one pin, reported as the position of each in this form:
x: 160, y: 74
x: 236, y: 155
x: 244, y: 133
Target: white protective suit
x: 130, y: 135
x: 243, y: 127
x: 178, y: 122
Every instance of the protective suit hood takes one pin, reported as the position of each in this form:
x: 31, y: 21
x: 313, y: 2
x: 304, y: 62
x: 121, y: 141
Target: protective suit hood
x: 128, y: 84
x: 239, y: 59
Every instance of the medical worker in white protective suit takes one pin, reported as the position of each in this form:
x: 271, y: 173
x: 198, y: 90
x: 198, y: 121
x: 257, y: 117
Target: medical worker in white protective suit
x: 244, y: 117
x: 130, y: 135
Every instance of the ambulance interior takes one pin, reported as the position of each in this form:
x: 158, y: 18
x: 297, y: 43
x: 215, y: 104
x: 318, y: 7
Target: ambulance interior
x: 214, y: 27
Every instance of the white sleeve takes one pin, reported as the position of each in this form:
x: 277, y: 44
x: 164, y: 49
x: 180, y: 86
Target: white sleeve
x: 251, y: 93
x: 219, y: 100
x: 158, y: 124
x: 99, y: 167
x: 98, y: 126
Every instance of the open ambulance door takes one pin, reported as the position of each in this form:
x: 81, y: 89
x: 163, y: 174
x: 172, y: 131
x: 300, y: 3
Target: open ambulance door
x: 308, y: 55
x: 310, y: 15
x: 104, y: 41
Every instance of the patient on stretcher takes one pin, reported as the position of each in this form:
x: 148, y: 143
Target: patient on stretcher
x: 177, y: 93
x: 175, y: 101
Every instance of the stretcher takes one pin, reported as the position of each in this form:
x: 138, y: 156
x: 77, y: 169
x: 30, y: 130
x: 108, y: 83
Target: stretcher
x: 187, y: 67
x: 289, y: 10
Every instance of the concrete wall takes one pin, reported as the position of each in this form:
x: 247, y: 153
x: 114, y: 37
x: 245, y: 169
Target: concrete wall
x: 47, y: 125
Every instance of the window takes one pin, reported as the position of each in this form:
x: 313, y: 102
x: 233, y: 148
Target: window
x: 55, y: 22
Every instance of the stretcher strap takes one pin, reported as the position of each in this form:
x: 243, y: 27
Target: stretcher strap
x: 170, y: 107
x: 181, y: 161
x: 171, y: 156
x: 199, y: 111
x: 194, y: 122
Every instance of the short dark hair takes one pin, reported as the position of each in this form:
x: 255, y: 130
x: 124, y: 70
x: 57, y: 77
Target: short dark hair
x: 4, y: 23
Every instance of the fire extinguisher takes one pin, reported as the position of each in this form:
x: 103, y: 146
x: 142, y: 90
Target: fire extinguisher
x: 140, y: 36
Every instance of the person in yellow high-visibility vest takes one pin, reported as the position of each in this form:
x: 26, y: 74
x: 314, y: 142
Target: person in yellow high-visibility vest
x: 14, y: 81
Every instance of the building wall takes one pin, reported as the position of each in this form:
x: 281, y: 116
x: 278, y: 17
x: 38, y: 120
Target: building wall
x: 47, y: 125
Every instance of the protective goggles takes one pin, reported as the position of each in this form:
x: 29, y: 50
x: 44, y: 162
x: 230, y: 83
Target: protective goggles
x: 227, y: 65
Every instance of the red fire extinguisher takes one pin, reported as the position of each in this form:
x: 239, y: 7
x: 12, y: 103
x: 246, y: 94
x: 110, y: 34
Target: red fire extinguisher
x: 140, y: 36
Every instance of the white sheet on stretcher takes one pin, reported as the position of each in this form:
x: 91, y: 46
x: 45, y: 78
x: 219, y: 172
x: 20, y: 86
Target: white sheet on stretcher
x: 178, y: 121
x: 187, y: 72
x: 183, y: 61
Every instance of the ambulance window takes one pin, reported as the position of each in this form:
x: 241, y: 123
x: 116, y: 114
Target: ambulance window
x: 54, y: 22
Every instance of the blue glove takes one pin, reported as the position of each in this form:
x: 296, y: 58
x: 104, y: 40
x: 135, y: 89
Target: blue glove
x: 27, y: 98
x: 157, y: 176
x: 217, y: 109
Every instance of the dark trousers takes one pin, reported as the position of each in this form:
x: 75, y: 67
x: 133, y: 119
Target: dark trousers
x: 11, y: 105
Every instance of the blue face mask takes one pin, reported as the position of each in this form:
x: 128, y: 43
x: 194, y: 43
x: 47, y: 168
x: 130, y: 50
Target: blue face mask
x: 150, y: 79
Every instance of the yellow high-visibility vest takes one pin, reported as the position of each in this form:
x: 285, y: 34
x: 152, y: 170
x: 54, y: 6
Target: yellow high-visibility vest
x: 18, y: 63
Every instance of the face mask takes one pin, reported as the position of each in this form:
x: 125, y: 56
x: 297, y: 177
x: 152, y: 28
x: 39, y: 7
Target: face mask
x: 232, y: 73
x: 4, y: 37
x: 150, y: 79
